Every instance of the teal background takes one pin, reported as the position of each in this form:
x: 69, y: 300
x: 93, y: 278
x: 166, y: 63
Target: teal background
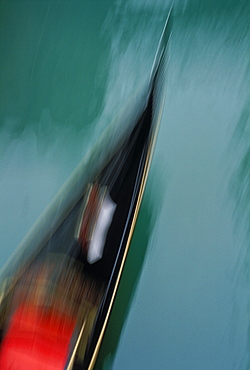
x: 66, y: 69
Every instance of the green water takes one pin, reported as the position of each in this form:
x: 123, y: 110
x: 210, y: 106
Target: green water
x: 66, y: 68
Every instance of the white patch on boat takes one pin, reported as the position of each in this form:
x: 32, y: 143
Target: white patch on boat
x: 103, y: 222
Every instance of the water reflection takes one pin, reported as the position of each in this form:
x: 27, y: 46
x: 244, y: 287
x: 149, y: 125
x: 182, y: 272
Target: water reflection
x: 240, y: 191
x: 51, y: 42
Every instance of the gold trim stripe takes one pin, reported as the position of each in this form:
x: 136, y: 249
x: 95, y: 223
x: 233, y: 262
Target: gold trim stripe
x: 140, y: 195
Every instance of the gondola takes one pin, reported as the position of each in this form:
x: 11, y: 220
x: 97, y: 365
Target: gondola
x: 58, y: 289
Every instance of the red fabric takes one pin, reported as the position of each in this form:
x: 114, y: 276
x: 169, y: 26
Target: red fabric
x: 36, y: 340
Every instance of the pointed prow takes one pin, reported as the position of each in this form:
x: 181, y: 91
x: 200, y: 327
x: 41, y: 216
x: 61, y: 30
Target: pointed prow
x: 161, y: 53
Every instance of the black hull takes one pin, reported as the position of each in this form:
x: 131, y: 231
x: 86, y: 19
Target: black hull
x: 123, y: 176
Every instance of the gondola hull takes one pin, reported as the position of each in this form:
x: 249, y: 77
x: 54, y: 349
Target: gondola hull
x: 75, y: 253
